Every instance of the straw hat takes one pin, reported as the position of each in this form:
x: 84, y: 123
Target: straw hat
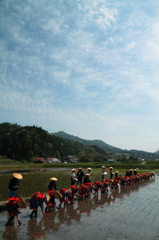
x: 17, y: 175
x: 73, y: 170
x: 89, y: 188
x: 21, y: 203
x: 80, y: 168
x: 111, y: 167
x: 54, y: 179
x: 58, y: 195
x: 89, y: 168
x: 47, y: 197
x: 87, y: 174
x: 117, y: 171
x: 79, y: 190
x: 103, y: 167
x: 70, y: 194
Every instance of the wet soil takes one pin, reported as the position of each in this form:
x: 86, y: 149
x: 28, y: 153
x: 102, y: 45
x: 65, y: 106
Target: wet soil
x: 131, y: 212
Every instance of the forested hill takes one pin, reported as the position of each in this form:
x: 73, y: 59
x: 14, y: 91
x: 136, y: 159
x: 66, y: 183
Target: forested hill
x: 108, y: 148
x: 26, y: 143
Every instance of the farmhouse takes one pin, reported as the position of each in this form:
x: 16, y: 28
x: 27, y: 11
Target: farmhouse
x: 40, y: 160
x: 53, y: 160
x: 70, y: 159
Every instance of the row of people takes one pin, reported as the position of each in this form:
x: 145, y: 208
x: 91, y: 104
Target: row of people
x: 81, y: 178
x: 112, y: 174
x: 131, y: 172
x: 66, y: 195
x: 78, y: 178
x: 39, y: 227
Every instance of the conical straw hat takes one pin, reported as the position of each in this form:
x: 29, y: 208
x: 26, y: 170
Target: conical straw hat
x: 17, y: 175
x: 21, y: 203
x: 70, y: 195
x: 58, y: 195
x: 54, y: 179
x: 89, y: 168
x: 47, y: 197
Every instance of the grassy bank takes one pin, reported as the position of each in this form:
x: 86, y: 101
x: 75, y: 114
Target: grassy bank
x: 10, y: 164
x: 18, y: 165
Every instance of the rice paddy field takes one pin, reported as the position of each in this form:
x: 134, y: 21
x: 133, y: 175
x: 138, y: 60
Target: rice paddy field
x: 38, y: 180
x: 130, y: 212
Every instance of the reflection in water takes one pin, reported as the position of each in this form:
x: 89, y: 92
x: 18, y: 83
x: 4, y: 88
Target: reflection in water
x: 10, y: 233
x: 72, y: 213
x: 35, y: 229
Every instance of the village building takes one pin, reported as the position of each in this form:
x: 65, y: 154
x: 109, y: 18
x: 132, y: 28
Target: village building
x: 70, y: 159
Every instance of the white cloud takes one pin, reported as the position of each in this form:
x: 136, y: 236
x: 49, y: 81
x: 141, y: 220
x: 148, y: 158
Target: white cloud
x: 87, y: 67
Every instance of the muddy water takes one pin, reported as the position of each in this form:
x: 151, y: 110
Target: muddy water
x: 128, y: 213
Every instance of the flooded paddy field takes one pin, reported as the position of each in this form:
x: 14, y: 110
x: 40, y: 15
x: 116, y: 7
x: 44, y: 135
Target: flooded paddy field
x: 39, y: 179
x: 131, y: 212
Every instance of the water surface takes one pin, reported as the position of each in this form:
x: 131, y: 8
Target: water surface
x: 129, y: 213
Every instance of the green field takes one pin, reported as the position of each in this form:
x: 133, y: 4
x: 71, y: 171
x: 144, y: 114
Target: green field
x: 34, y: 181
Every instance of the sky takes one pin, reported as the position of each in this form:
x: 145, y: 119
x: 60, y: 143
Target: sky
x: 89, y: 68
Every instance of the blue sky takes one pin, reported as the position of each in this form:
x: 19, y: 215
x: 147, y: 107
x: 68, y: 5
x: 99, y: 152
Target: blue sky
x: 86, y: 67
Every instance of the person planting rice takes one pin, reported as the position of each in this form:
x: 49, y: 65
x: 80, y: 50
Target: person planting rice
x: 14, y: 184
x: 73, y: 191
x: 97, y: 186
x: 64, y: 196
x: 104, y: 185
x: 89, y: 187
x: 36, y: 201
x: 82, y: 190
x: 115, y: 183
x: 49, y: 200
x: 53, y: 184
x: 13, y: 210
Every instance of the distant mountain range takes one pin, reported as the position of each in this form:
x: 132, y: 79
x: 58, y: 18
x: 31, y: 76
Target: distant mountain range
x: 24, y: 143
x: 99, y: 143
x: 106, y: 147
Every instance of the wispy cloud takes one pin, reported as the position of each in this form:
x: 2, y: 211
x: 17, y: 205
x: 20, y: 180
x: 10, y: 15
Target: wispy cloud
x: 89, y: 68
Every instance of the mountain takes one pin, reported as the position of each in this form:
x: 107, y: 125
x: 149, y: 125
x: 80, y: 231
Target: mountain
x: 26, y: 143
x: 111, y: 150
x: 106, y: 147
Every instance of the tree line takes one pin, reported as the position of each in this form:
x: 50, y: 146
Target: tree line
x: 30, y: 142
